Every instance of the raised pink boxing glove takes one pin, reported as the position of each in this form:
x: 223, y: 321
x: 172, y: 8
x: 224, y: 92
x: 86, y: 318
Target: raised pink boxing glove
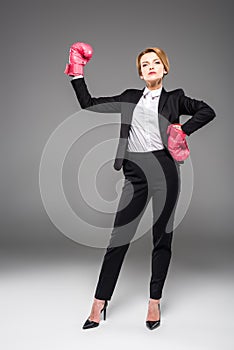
x: 79, y: 55
x: 177, y: 144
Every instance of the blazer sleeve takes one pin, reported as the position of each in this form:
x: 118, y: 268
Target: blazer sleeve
x: 201, y: 113
x: 111, y: 104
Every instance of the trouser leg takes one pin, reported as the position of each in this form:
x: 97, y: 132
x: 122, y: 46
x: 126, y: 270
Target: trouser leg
x: 135, y: 193
x: 164, y: 205
x: 110, y: 270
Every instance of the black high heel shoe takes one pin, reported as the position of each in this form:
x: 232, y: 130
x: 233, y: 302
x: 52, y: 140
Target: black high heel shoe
x: 92, y: 324
x: 154, y: 324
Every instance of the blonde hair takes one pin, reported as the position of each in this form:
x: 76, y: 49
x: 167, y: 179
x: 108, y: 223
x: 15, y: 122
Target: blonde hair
x: 159, y: 52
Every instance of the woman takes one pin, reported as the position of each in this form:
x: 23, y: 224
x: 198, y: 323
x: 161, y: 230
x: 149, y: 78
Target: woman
x: 149, y: 169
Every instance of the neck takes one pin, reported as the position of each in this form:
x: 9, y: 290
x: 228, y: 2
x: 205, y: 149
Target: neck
x: 154, y: 85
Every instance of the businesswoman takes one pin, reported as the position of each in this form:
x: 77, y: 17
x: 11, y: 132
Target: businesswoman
x: 150, y: 170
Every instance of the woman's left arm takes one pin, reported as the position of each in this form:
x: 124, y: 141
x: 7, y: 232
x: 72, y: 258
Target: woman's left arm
x: 201, y: 113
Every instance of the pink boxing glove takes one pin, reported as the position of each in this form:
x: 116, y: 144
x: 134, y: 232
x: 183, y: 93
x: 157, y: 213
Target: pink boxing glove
x: 177, y: 144
x: 79, y: 55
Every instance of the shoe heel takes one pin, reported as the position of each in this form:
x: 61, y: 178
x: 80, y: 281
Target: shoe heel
x: 104, y: 314
x: 104, y: 310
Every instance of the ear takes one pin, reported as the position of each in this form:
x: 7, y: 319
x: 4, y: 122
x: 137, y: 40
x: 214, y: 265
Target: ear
x: 141, y: 77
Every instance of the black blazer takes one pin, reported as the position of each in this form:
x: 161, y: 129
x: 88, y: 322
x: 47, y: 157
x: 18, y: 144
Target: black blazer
x: 172, y: 104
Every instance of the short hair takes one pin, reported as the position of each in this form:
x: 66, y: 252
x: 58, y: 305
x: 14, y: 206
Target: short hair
x: 160, y: 53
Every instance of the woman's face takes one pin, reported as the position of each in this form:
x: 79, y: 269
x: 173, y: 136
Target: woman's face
x: 152, y: 68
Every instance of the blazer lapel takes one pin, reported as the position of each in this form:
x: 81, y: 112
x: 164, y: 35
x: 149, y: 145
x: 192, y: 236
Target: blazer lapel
x: 162, y: 100
x: 162, y: 117
x: 135, y: 97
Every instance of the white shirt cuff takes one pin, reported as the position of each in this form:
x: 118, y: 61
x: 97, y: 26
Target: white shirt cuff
x: 78, y: 76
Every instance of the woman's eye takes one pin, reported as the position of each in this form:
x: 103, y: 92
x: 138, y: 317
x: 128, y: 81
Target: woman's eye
x: 145, y: 64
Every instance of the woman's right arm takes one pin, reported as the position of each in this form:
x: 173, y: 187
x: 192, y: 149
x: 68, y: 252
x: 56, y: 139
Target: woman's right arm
x: 111, y: 104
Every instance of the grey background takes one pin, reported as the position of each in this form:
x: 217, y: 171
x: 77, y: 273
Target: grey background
x: 36, y: 97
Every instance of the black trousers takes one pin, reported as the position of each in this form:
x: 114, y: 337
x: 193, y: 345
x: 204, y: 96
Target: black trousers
x: 147, y: 175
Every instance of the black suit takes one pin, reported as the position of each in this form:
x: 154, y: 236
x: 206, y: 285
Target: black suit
x: 147, y: 175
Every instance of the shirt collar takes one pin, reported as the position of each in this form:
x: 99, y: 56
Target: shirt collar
x: 153, y: 93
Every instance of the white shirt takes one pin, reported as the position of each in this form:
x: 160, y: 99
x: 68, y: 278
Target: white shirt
x: 144, y: 134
